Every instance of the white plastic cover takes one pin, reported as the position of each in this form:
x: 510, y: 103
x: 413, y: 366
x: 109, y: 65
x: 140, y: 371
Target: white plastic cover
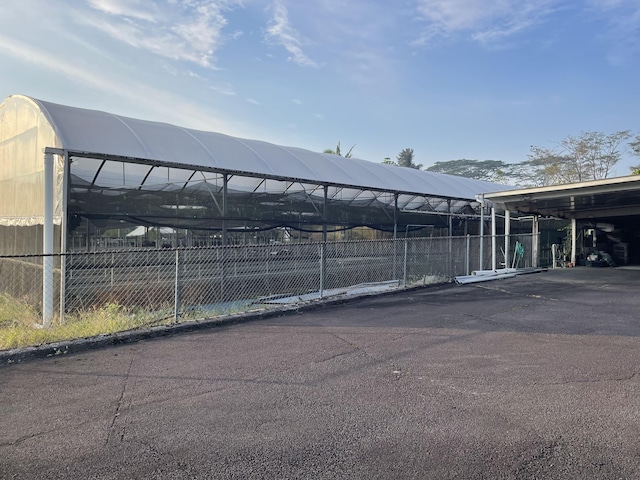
x: 25, y: 131
x: 92, y: 131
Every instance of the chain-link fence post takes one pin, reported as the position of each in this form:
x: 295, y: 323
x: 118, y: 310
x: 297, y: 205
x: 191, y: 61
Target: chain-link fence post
x: 404, y: 273
x: 322, y: 269
x: 468, y: 259
x: 177, y: 285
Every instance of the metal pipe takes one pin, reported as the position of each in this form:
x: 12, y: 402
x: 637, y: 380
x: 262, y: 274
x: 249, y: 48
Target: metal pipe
x: 324, y: 213
x: 499, y: 271
x: 47, y: 242
x: 574, y: 235
x: 395, y: 236
x: 64, y: 225
x: 395, y: 216
x: 404, y: 275
x: 481, y: 231
x: 322, y: 270
x: 507, y: 233
x: 323, y: 265
x: 493, y: 239
x: 535, y: 240
x: 176, y: 305
x: 451, y: 272
x: 483, y: 278
x: 225, y: 207
x: 468, y: 253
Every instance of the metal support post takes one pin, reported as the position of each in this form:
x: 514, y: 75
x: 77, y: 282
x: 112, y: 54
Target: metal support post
x: 176, y: 306
x: 395, y: 235
x: 322, y: 270
x: 404, y: 274
x: 324, y: 213
x: 507, y: 233
x: 574, y: 236
x: 535, y: 241
x: 47, y: 243
x: 481, y: 266
x: 468, y: 254
x: 450, y: 242
x: 323, y: 244
x: 225, y: 207
x: 494, y: 245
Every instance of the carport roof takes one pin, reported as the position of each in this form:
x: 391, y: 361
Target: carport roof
x: 598, y: 199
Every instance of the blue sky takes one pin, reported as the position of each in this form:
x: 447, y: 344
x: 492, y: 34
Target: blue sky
x: 477, y: 79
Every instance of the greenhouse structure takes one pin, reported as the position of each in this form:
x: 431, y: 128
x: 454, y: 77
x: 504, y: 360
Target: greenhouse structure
x: 77, y: 181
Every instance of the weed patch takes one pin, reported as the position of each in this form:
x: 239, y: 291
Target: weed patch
x: 21, y: 325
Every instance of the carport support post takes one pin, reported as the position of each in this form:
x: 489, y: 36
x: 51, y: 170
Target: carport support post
x: 47, y: 242
x: 574, y: 236
x: 535, y: 240
x: 493, y: 239
x: 452, y: 274
x: 507, y: 232
x: 481, y: 266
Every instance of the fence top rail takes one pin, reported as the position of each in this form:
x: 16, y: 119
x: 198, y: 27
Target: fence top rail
x: 251, y: 245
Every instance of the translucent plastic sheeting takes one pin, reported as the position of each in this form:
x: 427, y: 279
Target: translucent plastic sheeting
x: 25, y: 131
x: 81, y: 130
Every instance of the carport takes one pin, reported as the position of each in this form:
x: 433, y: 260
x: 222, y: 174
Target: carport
x: 610, y: 207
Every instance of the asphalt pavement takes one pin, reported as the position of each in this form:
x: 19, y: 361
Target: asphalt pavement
x: 536, y: 376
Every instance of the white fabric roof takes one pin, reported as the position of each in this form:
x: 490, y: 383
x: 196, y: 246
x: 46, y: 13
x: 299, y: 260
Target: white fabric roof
x: 96, y: 132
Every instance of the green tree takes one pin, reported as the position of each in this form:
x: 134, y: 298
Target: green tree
x: 588, y: 156
x: 405, y: 159
x: 338, y: 152
x: 488, y: 170
x: 635, y: 149
x: 544, y: 167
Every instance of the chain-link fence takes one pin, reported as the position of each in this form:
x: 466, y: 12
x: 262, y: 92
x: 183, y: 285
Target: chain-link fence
x: 185, y: 283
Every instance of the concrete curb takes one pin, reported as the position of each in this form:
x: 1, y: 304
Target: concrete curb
x: 25, y: 354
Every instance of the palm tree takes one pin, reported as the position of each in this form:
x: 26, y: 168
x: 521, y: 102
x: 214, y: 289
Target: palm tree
x: 337, y: 151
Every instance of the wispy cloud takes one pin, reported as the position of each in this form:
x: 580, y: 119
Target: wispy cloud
x: 366, y: 66
x: 484, y: 21
x: 282, y: 33
x: 623, y: 28
x: 607, y: 4
x: 354, y: 39
x: 131, y: 9
x: 190, y: 30
x: 297, y: 101
x: 223, y: 89
x: 253, y: 101
x: 163, y: 104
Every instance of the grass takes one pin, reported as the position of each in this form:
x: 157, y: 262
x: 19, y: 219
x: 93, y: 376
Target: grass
x: 21, y: 324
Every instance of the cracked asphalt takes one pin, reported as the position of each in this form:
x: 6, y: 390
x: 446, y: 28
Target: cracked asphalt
x: 532, y: 377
